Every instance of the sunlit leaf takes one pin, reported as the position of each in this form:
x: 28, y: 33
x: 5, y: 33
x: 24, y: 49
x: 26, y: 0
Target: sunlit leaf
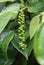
x: 39, y: 45
x: 34, y: 24
x: 7, y: 14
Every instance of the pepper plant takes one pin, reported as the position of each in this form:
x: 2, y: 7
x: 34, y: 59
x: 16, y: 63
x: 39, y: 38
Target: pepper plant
x: 21, y: 32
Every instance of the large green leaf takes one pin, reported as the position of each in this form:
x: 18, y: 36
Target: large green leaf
x: 13, y: 8
x: 34, y: 24
x: 26, y: 52
x: 7, y: 14
x: 35, y: 6
x: 5, y: 39
x: 39, y: 45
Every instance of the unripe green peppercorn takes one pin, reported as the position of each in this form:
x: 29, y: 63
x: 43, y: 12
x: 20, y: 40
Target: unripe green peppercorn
x: 21, y: 31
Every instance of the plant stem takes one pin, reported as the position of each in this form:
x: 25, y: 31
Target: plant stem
x: 23, y: 8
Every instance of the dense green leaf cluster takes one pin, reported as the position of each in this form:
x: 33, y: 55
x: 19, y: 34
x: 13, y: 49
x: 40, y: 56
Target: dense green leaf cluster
x: 21, y: 30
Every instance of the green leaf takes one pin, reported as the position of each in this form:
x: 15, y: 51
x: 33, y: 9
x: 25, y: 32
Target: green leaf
x: 39, y: 45
x: 26, y: 52
x: 35, y: 6
x: 34, y: 25
x: 14, y: 8
x: 32, y: 2
x: 7, y: 14
x: 5, y: 39
x: 6, y: 0
x: 4, y: 19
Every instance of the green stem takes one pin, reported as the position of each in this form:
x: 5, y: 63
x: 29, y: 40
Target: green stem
x: 23, y: 8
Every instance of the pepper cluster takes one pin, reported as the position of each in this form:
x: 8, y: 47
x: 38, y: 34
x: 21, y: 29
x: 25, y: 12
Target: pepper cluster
x: 21, y: 32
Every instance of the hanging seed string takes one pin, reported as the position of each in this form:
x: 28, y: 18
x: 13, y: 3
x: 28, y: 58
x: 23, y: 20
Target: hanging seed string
x: 21, y: 31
